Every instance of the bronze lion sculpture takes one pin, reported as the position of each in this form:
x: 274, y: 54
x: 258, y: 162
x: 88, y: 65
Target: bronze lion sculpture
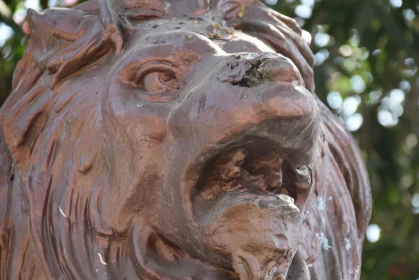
x: 175, y: 139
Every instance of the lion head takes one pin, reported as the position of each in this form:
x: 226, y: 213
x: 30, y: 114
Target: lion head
x: 160, y: 139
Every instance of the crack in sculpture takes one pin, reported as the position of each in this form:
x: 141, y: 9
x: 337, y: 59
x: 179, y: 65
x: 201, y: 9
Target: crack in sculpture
x: 175, y: 140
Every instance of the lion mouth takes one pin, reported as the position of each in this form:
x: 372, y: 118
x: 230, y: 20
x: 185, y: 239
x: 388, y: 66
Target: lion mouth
x: 254, y: 166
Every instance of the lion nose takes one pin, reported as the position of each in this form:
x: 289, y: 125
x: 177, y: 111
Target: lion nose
x: 251, y: 70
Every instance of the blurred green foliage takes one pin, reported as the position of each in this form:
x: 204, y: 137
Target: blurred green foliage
x: 366, y: 72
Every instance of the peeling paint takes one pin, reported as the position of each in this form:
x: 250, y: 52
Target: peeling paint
x: 324, y: 242
x: 348, y: 245
x: 322, y: 203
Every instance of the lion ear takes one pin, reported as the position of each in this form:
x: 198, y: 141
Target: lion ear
x: 66, y: 40
x: 51, y: 27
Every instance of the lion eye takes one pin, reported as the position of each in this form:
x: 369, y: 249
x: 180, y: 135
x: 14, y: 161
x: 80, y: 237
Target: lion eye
x: 159, y: 82
x: 152, y: 77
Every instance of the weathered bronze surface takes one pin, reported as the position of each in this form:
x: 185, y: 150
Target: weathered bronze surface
x: 175, y: 139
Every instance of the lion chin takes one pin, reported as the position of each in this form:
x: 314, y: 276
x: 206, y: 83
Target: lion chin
x: 175, y: 140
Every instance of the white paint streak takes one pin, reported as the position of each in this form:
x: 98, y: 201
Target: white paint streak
x: 324, y: 242
x: 62, y: 212
x: 101, y: 259
x: 348, y: 245
x: 310, y: 265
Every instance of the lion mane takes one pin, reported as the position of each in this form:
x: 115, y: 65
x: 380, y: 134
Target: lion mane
x: 62, y: 172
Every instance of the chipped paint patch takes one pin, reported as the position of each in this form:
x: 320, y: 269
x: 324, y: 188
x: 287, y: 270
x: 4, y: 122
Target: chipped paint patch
x: 322, y: 203
x: 348, y: 245
x: 324, y: 242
